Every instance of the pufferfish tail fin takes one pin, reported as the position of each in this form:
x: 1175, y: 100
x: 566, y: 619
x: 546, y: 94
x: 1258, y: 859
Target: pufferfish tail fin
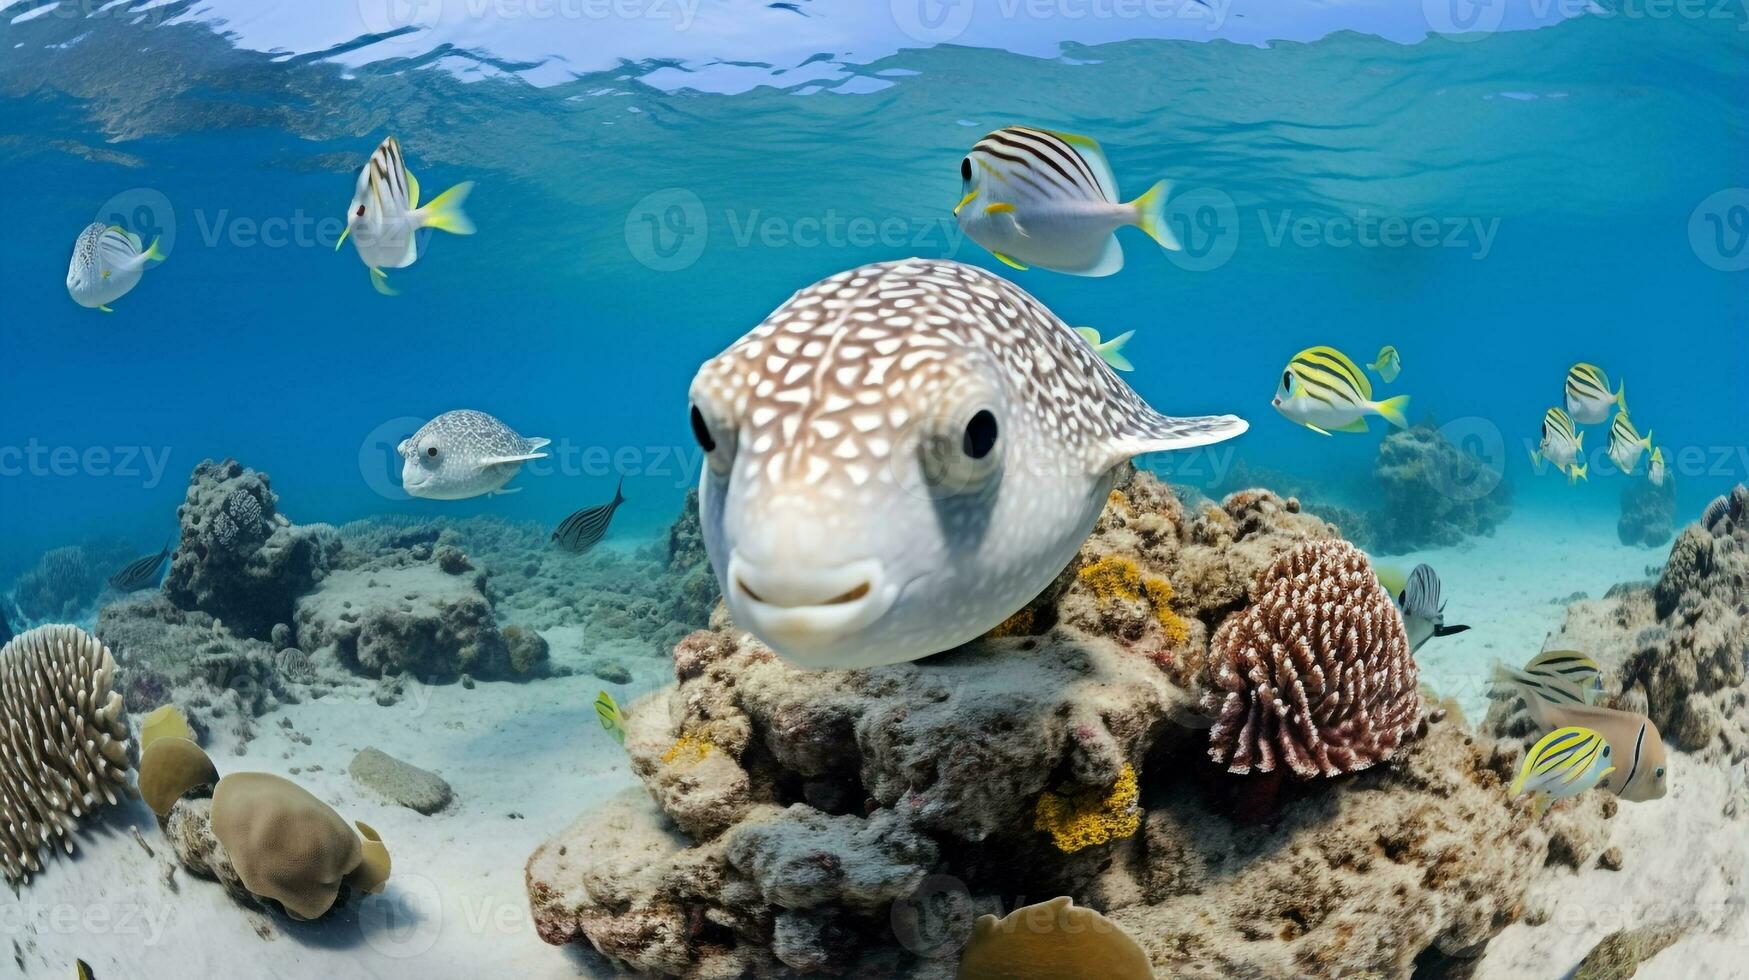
x: 1150, y: 432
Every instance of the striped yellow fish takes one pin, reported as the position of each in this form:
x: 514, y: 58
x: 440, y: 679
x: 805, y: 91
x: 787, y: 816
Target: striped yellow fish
x: 1565, y: 762
x: 613, y: 720
x: 1636, y: 746
x: 1324, y: 391
x: 1655, y: 466
x: 1387, y: 365
x: 1559, y: 677
x: 1625, y: 443
x: 1562, y: 445
x: 1588, y: 396
x: 1038, y: 197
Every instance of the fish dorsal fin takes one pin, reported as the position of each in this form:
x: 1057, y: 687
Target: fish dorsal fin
x: 1094, y: 154
x: 501, y: 460
x: 1147, y: 431
x: 1393, y: 578
x: 538, y: 443
x: 412, y: 189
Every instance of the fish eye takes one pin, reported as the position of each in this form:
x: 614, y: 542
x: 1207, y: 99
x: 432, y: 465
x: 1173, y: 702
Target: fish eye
x: 1287, y: 381
x: 966, y: 169
x: 431, y: 452
x: 1659, y: 772
x: 980, y: 436
x: 360, y: 211
x: 702, y: 432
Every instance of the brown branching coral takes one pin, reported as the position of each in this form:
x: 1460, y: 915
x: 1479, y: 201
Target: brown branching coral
x: 63, y: 740
x: 1316, y: 674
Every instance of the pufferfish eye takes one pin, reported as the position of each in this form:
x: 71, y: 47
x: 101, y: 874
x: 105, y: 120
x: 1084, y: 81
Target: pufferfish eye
x: 966, y: 169
x: 702, y: 432
x: 980, y: 436
x: 432, y: 452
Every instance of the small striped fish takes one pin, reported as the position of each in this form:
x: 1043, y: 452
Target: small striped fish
x: 1565, y: 762
x: 1562, y: 445
x: 1420, y: 603
x: 1655, y: 466
x: 1034, y: 196
x: 1625, y: 442
x: 1388, y: 364
x: 613, y: 720
x: 1558, y: 677
x: 585, y: 529
x: 140, y: 572
x: 1588, y: 396
x: 385, y: 214
x: 107, y: 262
x: 1638, y: 748
x: 1323, y: 390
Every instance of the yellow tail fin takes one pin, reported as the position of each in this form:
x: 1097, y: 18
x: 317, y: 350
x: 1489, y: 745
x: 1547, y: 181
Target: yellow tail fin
x: 1621, y: 396
x: 153, y: 252
x: 1392, y: 409
x: 445, y: 211
x: 1151, y: 216
x: 1577, y: 473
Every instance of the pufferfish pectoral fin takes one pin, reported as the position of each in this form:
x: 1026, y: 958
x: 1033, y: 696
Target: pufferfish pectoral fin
x: 1151, y: 432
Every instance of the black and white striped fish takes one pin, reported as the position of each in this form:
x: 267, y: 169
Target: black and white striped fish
x: 1557, y: 677
x: 1323, y: 390
x: 385, y: 214
x: 1419, y: 601
x: 140, y: 573
x: 1038, y: 197
x: 1625, y: 442
x: 585, y: 529
x: 1562, y: 445
x: 1588, y: 396
x: 108, y: 260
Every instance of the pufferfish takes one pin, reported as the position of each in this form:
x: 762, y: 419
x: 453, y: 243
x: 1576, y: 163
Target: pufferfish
x: 903, y: 455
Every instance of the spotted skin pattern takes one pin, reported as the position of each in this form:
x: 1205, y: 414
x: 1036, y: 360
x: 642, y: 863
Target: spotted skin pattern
x: 840, y: 425
x: 464, y: 439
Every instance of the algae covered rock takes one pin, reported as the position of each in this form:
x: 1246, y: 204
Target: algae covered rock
x: 413, y: 619
x: 400, y: 782
x: 1434, y: 491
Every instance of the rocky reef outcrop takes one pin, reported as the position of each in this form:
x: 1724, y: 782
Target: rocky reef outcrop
x: 855, y: 822
x: 1432, y: 492
x: 1648, y: 513
x: 237, y: 557
x: 66, y: 581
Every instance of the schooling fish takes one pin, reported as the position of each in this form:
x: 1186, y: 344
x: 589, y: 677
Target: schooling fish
x: 464, y: 454
x: 1111, y: 351
x: 1655, y: 466
x: 1033, y: 196
x: 385, y: 217
x: 1324, y: 391
x: 1388, y: 364
x: 1561, y: 445
x: 1565, y: 762
x: 1588, y: 397
x: 140, y: 572
x: 1625, y: 443
x: 1558, y: 677
x: 107, y: 262
x: 613, y: 720
x: 584, y: 529
x: 903, y: 455
x: 1418, y: 600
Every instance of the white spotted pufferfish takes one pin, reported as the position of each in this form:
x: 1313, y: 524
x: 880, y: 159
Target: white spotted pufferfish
x: 903, y: 455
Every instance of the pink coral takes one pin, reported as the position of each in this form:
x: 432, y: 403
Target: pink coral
x: 1316, y: 673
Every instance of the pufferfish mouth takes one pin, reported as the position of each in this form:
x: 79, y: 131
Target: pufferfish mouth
x: 808, y: 612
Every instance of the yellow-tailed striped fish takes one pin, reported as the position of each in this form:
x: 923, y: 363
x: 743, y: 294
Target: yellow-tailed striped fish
x: 1655, y: 466
x: 107, y: 262
x: 1324, y: 391
x: 1044, y: 198
x: 1588, y: 396
x: 1565, y: 762
x: 1636, y: 746
x: 1388, y: 364
x: 1561, y: 677
x: 1625, y: 442
x: 1110, y: 351
x: 1418, y: 600
x: 1562, y: 445
x: 613, y: 720
x: 385, y: 216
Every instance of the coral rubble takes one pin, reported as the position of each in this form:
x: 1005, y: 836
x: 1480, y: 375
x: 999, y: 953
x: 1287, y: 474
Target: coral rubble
x: 1432, y: 492
x: 415, y: 619
x: 853, y: 821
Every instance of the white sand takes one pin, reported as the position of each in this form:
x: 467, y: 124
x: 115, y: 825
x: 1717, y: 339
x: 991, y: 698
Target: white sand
x: 455, y: 906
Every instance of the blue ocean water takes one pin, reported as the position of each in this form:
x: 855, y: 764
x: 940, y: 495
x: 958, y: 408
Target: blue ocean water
x: 1496, y: 207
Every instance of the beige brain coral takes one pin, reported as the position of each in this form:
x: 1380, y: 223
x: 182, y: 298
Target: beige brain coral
x: 63, y: 740
x: 284, y: 843
x: 1316, y: 673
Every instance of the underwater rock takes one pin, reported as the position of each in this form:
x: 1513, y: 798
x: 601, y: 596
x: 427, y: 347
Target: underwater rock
x: 239, y: 559
x: 1065, y: 755
x: 400, y: 782
x: 416, y: 619
x: 527, y: 651
x: 63, y: 741
x: 694, y: 583
x: 186, y: 656
x: 66, y: 581
x: 1648, y: 513
x: 1620, y: 955
x: 1433, y: 493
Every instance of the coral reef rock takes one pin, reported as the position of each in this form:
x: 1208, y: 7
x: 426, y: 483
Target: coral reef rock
x: 238, y: 558
x: 400, y: 782
x: 66, y: 581
x: 1316, y: 674
x: 1434, y: 493
x: 63, y: 741
x: 856, y: 822
x: 1648, y: 513
x: 415, y: 619
x: 169, y: 654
